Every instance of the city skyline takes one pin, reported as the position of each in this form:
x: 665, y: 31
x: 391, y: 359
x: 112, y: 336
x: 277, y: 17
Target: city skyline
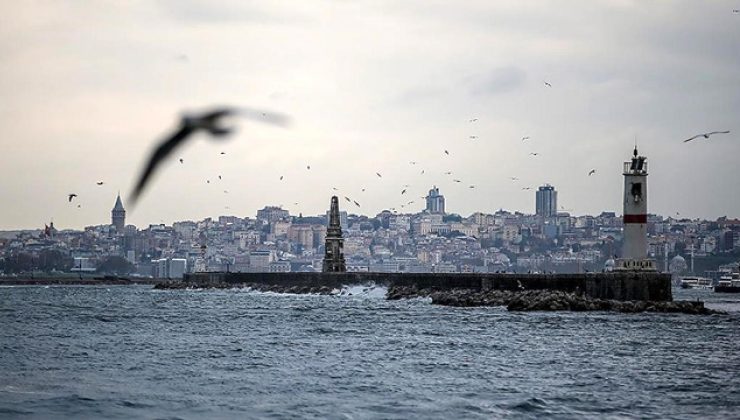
x: 371, y: 88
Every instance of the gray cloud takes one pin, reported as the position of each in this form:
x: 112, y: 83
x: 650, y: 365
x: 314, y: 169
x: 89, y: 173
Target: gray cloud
x: 497, y: 81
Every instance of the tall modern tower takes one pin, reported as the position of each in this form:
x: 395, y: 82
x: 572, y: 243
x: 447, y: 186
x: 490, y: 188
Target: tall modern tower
x: 435, y: 201
x: 546, y: 201
x: 334, y: 255
x: 634, y: 251
x: 118, y: 215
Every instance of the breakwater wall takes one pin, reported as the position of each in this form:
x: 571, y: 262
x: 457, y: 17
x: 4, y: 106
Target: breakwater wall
x: 641, y: 286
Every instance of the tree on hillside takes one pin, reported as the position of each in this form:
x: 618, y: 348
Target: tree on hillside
x: 115, y: 265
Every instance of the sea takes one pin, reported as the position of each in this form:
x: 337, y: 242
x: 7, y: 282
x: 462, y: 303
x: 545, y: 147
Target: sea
x: 134, y: 352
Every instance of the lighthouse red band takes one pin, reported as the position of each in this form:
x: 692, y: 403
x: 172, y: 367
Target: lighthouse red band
x: 635, y: 218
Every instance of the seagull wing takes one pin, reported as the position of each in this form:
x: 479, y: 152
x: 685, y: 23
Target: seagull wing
x: 718, y: 132
x: 162, y: 152
x: 274, y: 118
x: 692, y: 138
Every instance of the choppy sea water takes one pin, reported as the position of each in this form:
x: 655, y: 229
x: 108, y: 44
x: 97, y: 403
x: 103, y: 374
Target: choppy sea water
x: 133, y: 352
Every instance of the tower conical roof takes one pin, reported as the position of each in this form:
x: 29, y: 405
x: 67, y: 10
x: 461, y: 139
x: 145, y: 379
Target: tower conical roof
x: 119, y: 204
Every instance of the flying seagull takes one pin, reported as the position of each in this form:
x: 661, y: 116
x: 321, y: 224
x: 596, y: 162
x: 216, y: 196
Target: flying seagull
x: 534, y: 153
x: 357, y: 204
x: 210, y: 122
x: 456, y: 180
x: 378, y: 174
x: 219, y: 177
x: 403, y: 192
x: 100, y: 183
x: 363, y: 190
x: 347, y: 198
x: 446, y: 152
x: 547, y: 84
x: 525, y: 138
x: 308, y: 167
x: 422, y: 172
x: 182, y: 160
x: 71, y: 196
x: 281, y: 177
x: 472, y: 186
x: 472, y: 137
x: 473, y: 120
x: 413, y: 162
x: 591, y: 172
x: 527, y: 188
x: 335, y: 188
x: 513, y: 178
x: 448, y: 173
x: 223, y: 153
x: 706, y: 135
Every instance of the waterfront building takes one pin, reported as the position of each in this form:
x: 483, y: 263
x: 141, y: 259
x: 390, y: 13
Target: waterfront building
x: 118, y: 215
x: 435, y: 201
x: 546, y: 199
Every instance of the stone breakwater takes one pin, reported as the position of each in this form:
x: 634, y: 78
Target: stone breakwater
x: 260, y: 287
x: 543, y: 300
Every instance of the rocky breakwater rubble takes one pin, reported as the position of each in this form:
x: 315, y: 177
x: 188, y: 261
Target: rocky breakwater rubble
x: 543, y: 300
x: 302, y: 290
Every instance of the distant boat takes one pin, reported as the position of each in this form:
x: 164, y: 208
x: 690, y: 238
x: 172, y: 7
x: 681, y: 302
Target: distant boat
x: 692, y: 282
x: 728, y: 284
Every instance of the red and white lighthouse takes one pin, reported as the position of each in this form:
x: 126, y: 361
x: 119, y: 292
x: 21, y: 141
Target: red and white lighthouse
x: 634, y: 250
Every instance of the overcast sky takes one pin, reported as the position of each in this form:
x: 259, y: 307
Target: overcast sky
x: 89, y: 87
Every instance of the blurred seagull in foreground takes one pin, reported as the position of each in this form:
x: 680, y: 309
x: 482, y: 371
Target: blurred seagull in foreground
x: 706, y: 135
x: 211, y: 123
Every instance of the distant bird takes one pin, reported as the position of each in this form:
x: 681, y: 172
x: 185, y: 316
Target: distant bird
x: 227, y: 207
x: 706, y: 135
x: 71, y: 196
x: 219, y: 177
x: 378, y: 174
x: 513, y: 178
x: 357, y: 204
x: 448, y: 173
x: 422, y: 172
x: 472, y: 186
x: 410, y: 202
x: 347, y: 198
x: 226, y: 192
x: 308, y: 167
x: 182, y: 160
x: 403, y: 192
x: 363, y: 190
x: 525, y: 138
x: 335, y: 188
x: 209, y: 122
x: 735, y: 11
x: 100, y: 182
x: 446, y: 152
x: 456, y: 180
x: 472, y: 137
x: 281, y: 177
x: 534, y: 154
x: 223, y: 153
x: 79, y: 206
x: 208, y: 181
x: 527, y: 188
x: 591, y: 172
x: 413, y: 162
x: 547, y: 84
x: 473, y: 120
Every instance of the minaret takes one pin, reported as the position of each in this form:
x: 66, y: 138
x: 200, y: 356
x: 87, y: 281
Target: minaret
x: 634, y: 250
x: 118, y: 215
x: 334, y: 255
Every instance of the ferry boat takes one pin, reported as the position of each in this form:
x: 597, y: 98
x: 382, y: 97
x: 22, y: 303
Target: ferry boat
x: 696, y: 283
x: 728, y: 284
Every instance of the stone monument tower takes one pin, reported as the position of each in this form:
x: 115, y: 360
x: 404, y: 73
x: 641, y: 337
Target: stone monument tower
x: 334, y: 255
x: 118, y: 215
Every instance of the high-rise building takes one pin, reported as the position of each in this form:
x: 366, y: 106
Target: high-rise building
x: 546, y: 201
x: 118, y: 215
x: 435, y: 201
x: 334, y: 255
